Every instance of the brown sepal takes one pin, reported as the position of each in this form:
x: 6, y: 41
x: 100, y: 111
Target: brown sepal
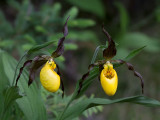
x: 110, y: 51
x: 60, y: 49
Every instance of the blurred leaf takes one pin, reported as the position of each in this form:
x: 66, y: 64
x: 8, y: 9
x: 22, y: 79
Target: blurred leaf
x: 29, y: 38
x: 56, y: 9
x: 55, y: 37
x: 22, y: 16
x: 5, y: 27
x: 94, y: 6
x: 70, y: 46
x: 60, y: 58
x: 134, y: 53
x: 14, y: 4
x: 81, y: 23
x: 7, y: 44
x: 124, y: 18
x: 38, y: 47
x: 122, y: 52
x: 84, y: 35
x: 72, y: 12
x: 76, y: 109
x: 40, y: 29
x: 27, y: 46
x: 139, y: 39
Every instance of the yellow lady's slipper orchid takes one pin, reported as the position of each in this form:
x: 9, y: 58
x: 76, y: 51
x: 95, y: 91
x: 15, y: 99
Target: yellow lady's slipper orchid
x: 109, y: 79
x: 50, y: 80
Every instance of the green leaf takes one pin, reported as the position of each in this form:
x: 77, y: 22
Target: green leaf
x: 38, y: 47
x: 86, y: 83
x: 77, y: 109
x: 124, y: 19
x: 94, y: 6
x: 134, y: 53
x: 10, y: 95
x: 31, y: 104
x: 81, y: 23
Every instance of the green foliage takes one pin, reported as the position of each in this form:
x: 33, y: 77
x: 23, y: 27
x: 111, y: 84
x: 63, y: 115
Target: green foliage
x: 36, y: 27
x: 77, y: 109
x: 10, y: 95
x: 38, y: 47
x: 124, y: 19
x: 90, y: 6
x: 152, y: 44
x: 82, y: 23
x: 30, y: 104
x: 134, y: 53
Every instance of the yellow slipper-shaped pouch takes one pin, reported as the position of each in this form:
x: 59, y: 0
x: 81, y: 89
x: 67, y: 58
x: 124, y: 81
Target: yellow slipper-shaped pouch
x: 50, y: 80
x: 109, y: 79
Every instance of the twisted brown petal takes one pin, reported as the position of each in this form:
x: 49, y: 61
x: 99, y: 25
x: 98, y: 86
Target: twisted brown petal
x: 130, y: 67
x: 27, y: 63
x: 60, y: 49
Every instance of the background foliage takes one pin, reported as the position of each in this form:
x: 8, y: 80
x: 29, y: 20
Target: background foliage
x: 132, y: 24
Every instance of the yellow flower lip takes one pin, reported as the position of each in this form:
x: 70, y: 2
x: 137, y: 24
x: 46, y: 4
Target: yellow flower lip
x: 109, y: 73
x: 51, y: 63
x: 109, y: 79
x: 50, y: 80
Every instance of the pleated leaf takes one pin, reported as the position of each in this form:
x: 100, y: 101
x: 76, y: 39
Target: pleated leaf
x: 77, y: 109
x: 31, y: 104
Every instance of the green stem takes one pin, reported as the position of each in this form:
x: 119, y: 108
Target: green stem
x: 65, y: 109
x: 17, y: 68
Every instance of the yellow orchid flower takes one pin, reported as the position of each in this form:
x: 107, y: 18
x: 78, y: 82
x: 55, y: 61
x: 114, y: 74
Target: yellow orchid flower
x: 108, y: 76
